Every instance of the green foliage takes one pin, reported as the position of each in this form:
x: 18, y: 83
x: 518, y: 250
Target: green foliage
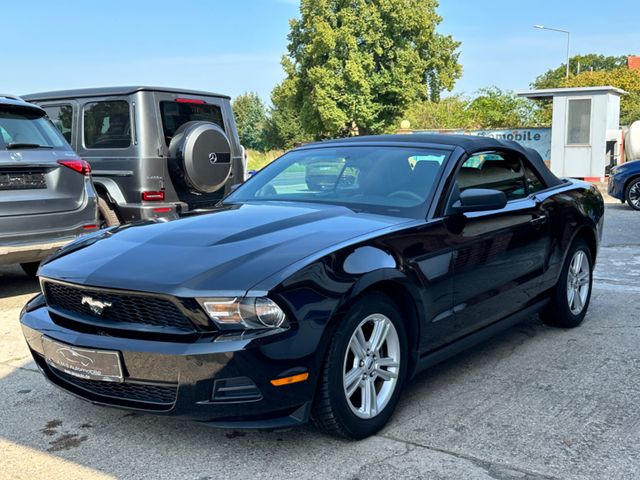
x: 555, y: 77
x: 284, y: 127
x: 490, y: 108
x: 628, y: 80
x: 354, y: 67
x: 258, y: 159
x: 250, y: 115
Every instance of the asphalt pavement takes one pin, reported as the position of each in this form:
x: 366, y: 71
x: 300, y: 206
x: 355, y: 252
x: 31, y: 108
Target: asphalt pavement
x: 532, y: 403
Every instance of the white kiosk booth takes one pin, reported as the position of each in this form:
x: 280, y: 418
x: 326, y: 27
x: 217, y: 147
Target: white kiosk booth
x: 585, y: 129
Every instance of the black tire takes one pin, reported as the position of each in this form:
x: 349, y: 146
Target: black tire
x: 31, y: 268
x: 632, y: 194
x: 108, y: 216
x: 559, y: 313
x: 331, y: 411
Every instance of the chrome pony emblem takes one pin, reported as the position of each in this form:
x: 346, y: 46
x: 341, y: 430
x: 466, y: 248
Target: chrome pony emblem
x: 96, y: 306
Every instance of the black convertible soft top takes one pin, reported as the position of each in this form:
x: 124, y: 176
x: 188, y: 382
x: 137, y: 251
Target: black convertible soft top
x: 469, y: 143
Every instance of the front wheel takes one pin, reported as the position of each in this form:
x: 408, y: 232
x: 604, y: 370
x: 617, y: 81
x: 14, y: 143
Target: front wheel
x: 364, y: 370
x: 571, y: 296
x: 632, y: 194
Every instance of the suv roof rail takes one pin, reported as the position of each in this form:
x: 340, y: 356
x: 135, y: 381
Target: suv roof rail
x: 11, y: 97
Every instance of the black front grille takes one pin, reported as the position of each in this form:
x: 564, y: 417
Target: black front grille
x: 136, y: 392
x: 124, y: 308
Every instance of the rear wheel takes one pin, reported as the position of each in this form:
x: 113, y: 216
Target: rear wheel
x: 108, y: 216
x: 632, y: 194
x: 364, y: 370
x: 571, y: 296
x: 31, y: 268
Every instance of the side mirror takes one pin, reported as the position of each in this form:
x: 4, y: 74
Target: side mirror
x: 479, y: 200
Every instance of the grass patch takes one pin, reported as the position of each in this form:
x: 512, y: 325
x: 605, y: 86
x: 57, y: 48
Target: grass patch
x: 258, y: 160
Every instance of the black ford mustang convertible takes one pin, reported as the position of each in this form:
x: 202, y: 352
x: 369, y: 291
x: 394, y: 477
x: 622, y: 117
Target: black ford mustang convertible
x: 321, y: 285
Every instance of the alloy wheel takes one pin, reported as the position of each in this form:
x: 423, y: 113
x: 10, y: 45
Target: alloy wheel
x: 578, y: 282
x: 371, y: 366
x: 634, y: 195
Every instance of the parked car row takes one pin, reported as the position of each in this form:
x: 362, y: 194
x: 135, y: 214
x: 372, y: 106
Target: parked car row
x: 134, y: 153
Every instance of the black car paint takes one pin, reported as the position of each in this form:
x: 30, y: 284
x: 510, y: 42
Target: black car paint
x: 455, y: 278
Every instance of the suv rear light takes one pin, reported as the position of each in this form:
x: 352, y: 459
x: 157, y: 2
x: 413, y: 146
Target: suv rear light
x: 190, y: 100
x: 153, y: 196
x: 79, y: 165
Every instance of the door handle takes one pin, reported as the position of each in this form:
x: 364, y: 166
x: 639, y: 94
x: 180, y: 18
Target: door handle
x: 539, y: 220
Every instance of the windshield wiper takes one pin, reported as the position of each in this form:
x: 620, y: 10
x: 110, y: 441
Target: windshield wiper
x: 16, y: 145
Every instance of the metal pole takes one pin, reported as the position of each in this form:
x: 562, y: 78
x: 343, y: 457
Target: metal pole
x: 568, y: 44
x: 542, y: 27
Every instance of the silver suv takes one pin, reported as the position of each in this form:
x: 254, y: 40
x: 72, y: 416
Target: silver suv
x: 46, y: 194
x: 155, y: 152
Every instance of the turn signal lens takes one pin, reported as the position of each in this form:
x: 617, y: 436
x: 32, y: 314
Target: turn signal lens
x: 301, y: 377
x: 249, y: 313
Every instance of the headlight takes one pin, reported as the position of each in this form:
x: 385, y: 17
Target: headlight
x: 250, y: 313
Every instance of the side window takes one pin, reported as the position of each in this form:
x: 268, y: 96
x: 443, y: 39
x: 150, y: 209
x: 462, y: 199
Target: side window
x: 494, y: 171
x: 107, y: 124
x: 62, y: 118
x: 534, y: 184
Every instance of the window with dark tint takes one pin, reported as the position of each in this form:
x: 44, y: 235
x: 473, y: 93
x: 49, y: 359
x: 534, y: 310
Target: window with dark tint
x: 28, y: 127
x: 62, y: 118
x: 494, y: 171
x: 175, y: 114
x: 107, y: 124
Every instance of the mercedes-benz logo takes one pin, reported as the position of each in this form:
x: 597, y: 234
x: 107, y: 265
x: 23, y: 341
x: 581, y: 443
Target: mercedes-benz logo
x: 213, y: 158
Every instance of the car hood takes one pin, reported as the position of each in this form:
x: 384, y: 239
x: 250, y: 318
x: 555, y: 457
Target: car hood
x: 226, y: 252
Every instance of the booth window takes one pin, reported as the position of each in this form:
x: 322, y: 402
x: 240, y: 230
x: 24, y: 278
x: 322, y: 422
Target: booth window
x: 579, y: 122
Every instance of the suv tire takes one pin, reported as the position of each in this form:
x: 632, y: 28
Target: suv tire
x: 200, y: 157
x: 30, y: 269
x: 108, y: 216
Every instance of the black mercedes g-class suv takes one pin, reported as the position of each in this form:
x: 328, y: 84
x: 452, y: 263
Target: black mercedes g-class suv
x: 155, y: 152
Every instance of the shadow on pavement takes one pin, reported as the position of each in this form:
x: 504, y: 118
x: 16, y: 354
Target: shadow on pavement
x: 14, y: 282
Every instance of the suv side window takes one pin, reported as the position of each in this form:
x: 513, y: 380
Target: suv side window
x: 494, y: 171
x: 62, y: 118
x: 175, y: 114
x: 107, y: 124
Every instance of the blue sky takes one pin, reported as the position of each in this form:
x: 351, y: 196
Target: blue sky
x: 232, y: 46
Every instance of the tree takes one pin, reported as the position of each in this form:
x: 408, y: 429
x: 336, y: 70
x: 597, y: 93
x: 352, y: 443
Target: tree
x: 495, y: 108
x: 251, y: 115
x: 284, y: 128
x: 628, y: 80
x: 354, y: 67
x: 555, y: 77
x: 490, y: 108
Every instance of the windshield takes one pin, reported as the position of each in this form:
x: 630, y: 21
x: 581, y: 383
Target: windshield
x: 28, y: 128
x: 387, y: 180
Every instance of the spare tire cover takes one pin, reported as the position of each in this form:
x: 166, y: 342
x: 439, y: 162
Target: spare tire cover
x: 200, y: 156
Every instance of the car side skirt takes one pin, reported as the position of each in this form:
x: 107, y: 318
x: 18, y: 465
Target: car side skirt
x: 444, y: 353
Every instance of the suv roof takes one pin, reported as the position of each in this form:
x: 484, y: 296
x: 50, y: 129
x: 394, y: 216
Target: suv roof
x: 108, y: 91
x: 16, y: 101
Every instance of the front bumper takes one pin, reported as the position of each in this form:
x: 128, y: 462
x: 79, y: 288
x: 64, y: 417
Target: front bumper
x: 178, y: 379
x: 615, y: 188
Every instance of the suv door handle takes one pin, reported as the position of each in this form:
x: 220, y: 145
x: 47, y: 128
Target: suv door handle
x: 539, y: 220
